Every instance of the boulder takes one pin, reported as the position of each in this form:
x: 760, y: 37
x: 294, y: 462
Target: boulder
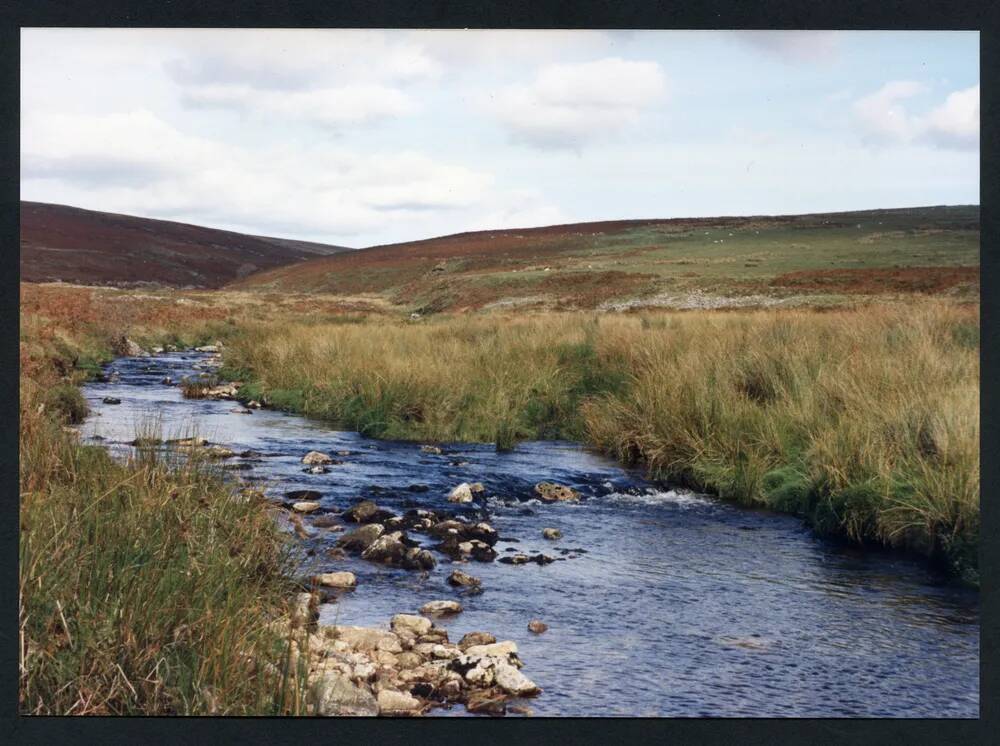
x: 315, y: 457
x: 392, y: 702
x: 438, y: 608
x: 334, y: 694
x: 219, y: 452
x: 537, y: 626
x: 362, y: 512
x: 461, y: 494
x: 418, y: 625
x: 365, y: 639
x: 208, y: 348
x: 361, y: 538
x: 305, y: 610
x: 387, y: 549
x: 325, y: 521
x: 506, y: 650
x: 430, y: 449
x: 305, y: 507
x: 471, y: 639
x: 552, y: 533
x: 459, y: 578
x: 487, y: 702
x: 316, y: 470
x: 552, y: 492
x: 127, y: 348
x: 111, y: 400
x: 514, y: 682
x: 337, y: 579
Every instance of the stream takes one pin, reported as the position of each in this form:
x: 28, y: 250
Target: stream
x: 662, y: 602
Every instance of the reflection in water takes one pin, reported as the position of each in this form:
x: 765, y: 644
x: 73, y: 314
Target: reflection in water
x: 662, y: 602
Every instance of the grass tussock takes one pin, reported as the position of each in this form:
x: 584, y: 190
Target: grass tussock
x: 146, y: 587
x: 864, y: 422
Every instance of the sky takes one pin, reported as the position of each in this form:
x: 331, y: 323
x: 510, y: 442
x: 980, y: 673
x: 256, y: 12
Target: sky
x: 364, y: 137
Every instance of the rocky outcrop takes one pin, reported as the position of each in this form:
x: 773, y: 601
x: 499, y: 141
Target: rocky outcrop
x: 125, y: 347
x: 314, y: 458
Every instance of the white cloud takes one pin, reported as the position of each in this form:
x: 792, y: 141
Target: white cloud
x: 332, y: 107
x: 568, y: 105
x: 136, y: 163
x: 884, y: 117
x: 794, y: 46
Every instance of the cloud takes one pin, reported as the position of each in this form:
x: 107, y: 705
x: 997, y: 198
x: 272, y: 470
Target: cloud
x: 794, y: 46
x: 885, y: 119
x: 331, y: 107
x: 568, y: 105
x: 137, y: 163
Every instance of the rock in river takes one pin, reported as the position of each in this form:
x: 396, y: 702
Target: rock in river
x: 461, y: 494
x: 552, y: 492
x: 365, y: 511
x: 460, y: 578
x: 437, y: 608
x: 430, y: 449
x: 537, y: 626
x: 337, y: 579
x: 334, y: 694
x: 471, y: 639
x: 315, y: 457
x: 305, y: 507
x: 411, y: 623
x: 362, y: 538
x: 552, y: 533
x: 111, y: 400
x: 392, y: 702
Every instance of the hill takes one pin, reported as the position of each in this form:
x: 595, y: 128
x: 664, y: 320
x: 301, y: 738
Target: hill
x: 101, y: 248
x: 685, y: 263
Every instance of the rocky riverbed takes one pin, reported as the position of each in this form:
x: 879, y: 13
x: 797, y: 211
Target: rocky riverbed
x: 620, y: 596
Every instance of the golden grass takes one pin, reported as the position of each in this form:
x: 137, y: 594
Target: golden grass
x: 863, y: 421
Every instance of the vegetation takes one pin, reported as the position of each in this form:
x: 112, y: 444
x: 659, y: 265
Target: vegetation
x: 864, y: 422
x: 145, y: 587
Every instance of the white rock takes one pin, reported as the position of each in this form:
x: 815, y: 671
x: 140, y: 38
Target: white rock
x: 416, y: 625
x: 441, y: 607
x: 315, y: 457
x: 461, y: 494
x: 513, y: 681
x: 337, y: 579
x: 305, y: 506
x: 334, y: 694
x: 392, y: 702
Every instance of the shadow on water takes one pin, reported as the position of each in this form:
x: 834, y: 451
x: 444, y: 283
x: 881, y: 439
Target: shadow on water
x: 677, y: 605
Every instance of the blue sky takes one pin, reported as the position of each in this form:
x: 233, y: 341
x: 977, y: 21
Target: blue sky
x: 367, y: 137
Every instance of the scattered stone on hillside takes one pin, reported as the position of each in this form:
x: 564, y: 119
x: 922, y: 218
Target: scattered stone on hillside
x: 552, y: 533
x: 315, y: 457
x: 460, y: 578
x: 111, y: 400
x: 430, y: 449
x: 537, y: 626
x: 461, y: 494
x: 552, y: 492
x: 337, y: 579
x: 305, y: 507
x: 440, y: 608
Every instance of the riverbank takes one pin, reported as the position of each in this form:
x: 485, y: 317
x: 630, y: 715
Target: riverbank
x: 863, y: 422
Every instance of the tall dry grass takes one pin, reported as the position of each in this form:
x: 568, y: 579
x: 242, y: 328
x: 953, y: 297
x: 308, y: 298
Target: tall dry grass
x: 145, y: 587
x: 865, y: 421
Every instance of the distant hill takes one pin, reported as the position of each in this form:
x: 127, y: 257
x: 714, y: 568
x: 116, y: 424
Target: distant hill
x: 668, y: 262
x: 88, y: 247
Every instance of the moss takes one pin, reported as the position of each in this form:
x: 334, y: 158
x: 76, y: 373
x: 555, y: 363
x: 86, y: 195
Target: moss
x: 787, y: 489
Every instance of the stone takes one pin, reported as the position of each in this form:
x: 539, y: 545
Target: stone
x: 127, y: 348
x: 208, y: 348
x: 389, y: 644
x: 219, y: 452
x: 459, y: 578
x: 487, y: 702
x: 253, y: 404
x: 537, y: 626
x: 305, y: 610
x: 362, y: 639
x: 552, y: 492
x: 337, y: 579
x: 303, y: 495
x: 361, y: 538
x: 391, y: 702
x: 334, y: 694
x: 315, y: 457
x: 111, y: 400
x: 409, y: 660
x: 361, y: 512
x: 430, y: 449
x: 326, y: 521
x: 418, y: 625
x: 316, y: 470
x: 441, y: 607
x: 387, y: 549
x: 305, y: 507
x: 514, y: 682
x: 471, y: 639
x: 461, y: 494
x: 505, y: 650
x: 552, y: 533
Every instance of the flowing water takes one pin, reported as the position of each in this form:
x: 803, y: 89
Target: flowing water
x: 662, y: 602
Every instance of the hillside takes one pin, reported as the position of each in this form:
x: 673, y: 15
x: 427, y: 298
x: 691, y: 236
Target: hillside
x: 101, y: 248
x: 683, y: 263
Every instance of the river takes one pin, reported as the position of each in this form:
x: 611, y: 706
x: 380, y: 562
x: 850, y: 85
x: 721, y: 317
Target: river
x: 662, y: 602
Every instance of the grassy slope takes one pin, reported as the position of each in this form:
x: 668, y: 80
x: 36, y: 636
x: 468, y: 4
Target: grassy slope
x: 587, y: 265
x: 865, y: 422
x: 145, y: 588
